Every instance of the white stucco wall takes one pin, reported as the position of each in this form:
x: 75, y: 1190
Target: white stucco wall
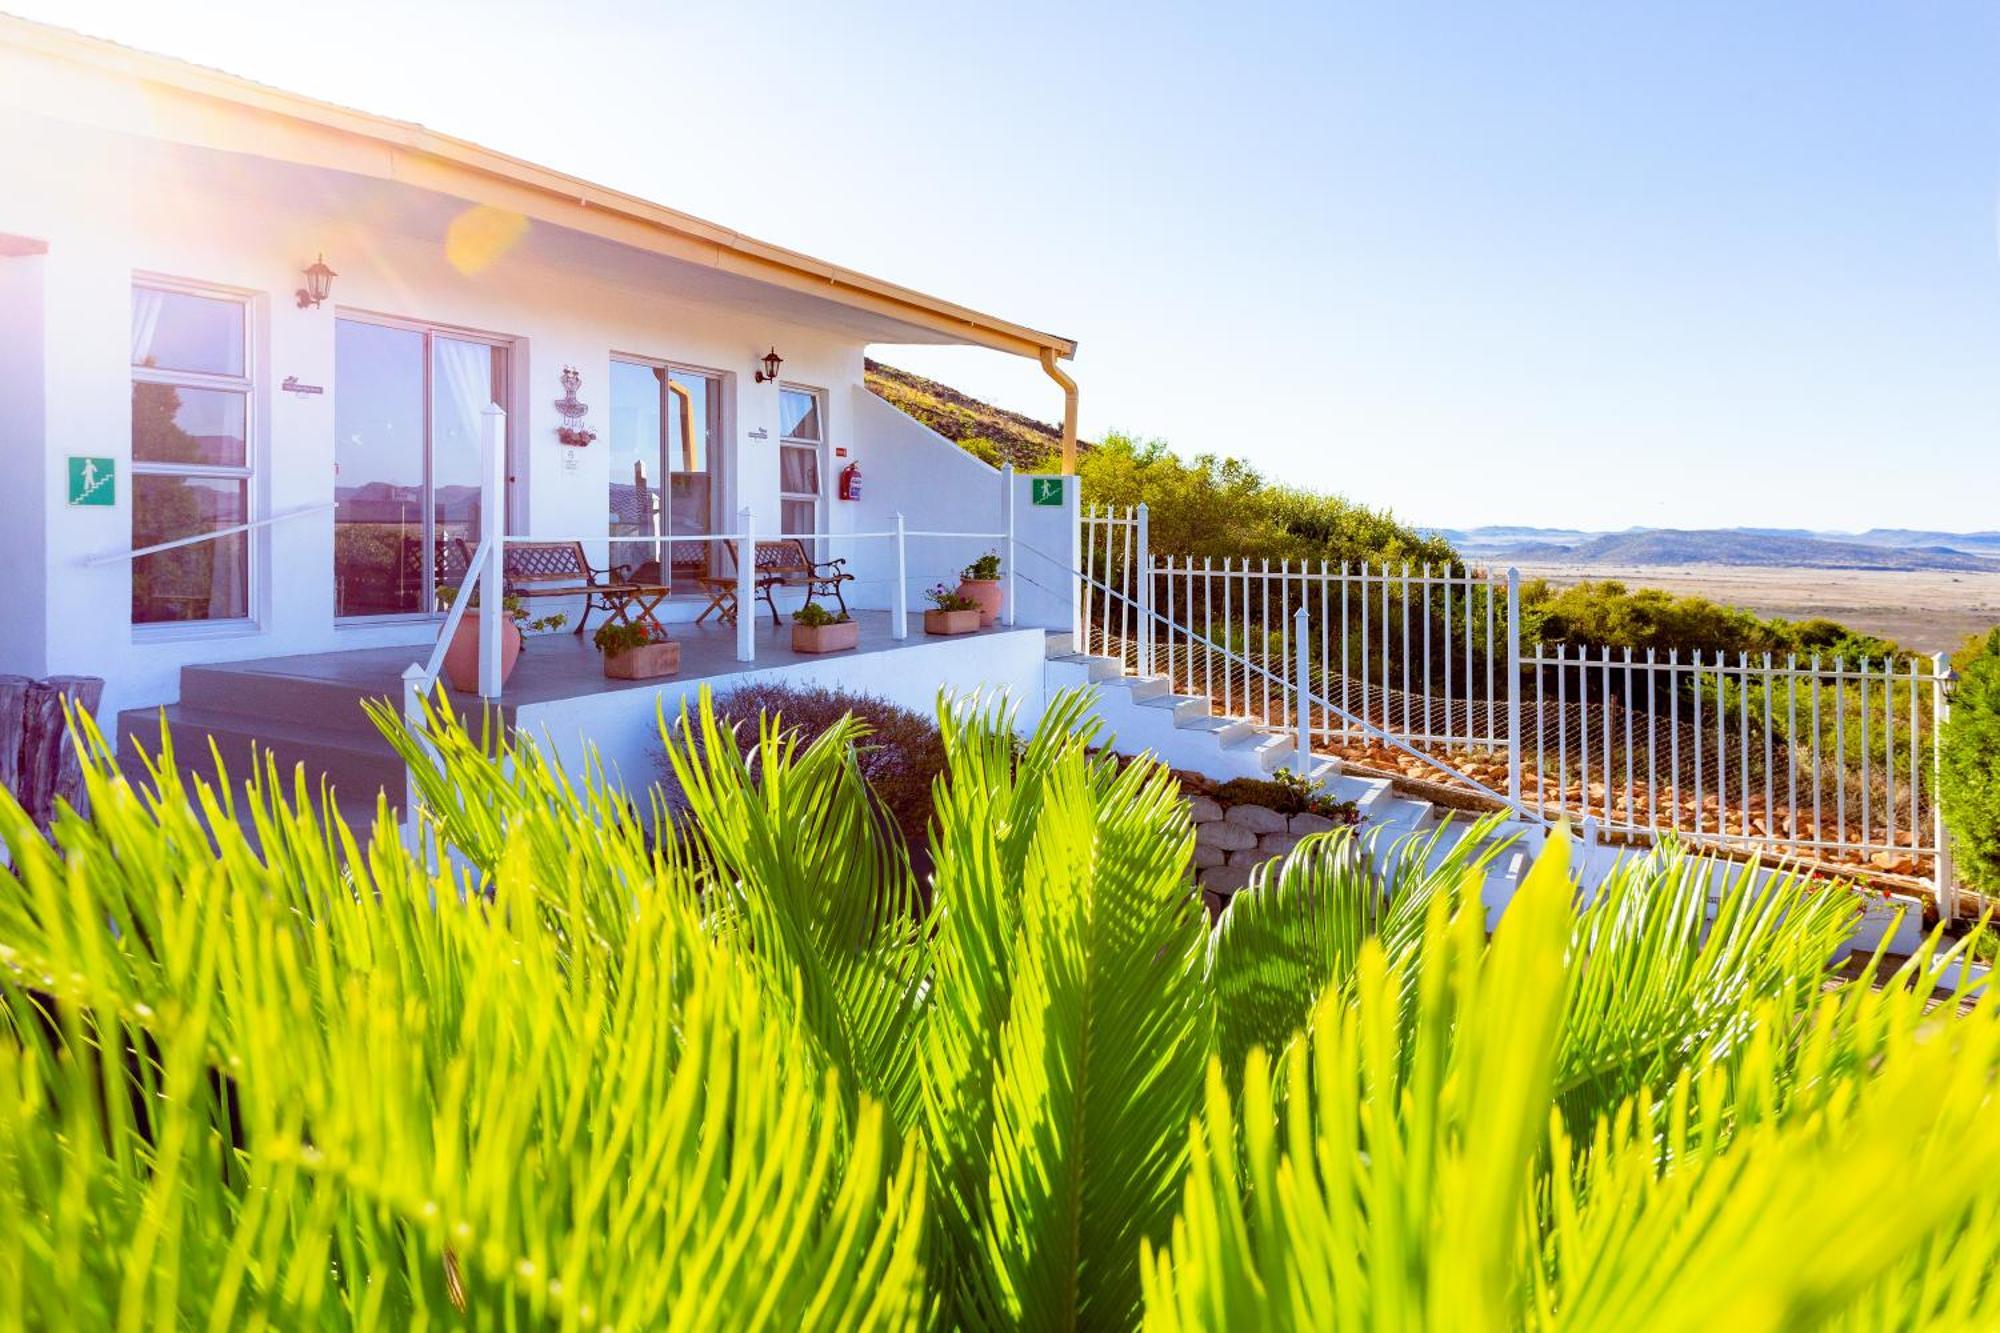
x: 110, y: 207
x: 24, y: 465
x: 621, y: 728
x: 939, y: 487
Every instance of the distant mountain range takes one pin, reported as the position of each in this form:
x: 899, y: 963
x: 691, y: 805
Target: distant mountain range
x: 1878, y: 548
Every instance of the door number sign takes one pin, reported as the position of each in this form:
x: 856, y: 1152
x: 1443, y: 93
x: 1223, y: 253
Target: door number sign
x: 92, y: 481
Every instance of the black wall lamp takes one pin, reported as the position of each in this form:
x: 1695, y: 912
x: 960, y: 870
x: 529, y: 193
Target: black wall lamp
x: 319, y: 281
x: 771, y: 363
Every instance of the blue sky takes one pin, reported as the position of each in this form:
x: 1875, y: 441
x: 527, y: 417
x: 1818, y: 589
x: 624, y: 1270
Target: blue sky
x: 1690, y: 264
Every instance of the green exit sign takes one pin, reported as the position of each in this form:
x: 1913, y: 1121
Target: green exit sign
x: 91, y: 481
x: 1046, y: 491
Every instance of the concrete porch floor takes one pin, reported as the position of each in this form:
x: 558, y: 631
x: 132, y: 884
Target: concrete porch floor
x: 559, y: 666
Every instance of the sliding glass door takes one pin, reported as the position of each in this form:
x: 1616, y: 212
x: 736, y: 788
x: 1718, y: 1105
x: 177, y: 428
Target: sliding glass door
x: 407, y: 407
x: 663, y: 479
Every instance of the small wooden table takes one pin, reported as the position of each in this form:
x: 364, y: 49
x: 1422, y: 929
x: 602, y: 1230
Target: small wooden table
x: 721, y: 599
x: 637, y: 603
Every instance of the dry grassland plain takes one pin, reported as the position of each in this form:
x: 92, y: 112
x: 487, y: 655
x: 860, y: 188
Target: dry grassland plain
x: 1925, y: 611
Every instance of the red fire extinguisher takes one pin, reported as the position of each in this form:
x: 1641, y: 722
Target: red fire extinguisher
x: 850, y: 482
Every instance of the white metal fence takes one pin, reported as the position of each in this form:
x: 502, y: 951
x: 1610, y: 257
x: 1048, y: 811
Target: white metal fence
x: 1824, y: 757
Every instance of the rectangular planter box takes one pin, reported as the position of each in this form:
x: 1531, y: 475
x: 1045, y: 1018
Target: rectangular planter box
x: 951, y: 622
x: 826, y: 638
x: 655, y: 659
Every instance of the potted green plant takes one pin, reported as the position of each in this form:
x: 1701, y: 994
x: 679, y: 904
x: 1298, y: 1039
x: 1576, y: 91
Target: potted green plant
x: 950, y: 613
x: 818, y: 630
x: 979, y: 583
x: 461, y: 657
x: 637, y: 650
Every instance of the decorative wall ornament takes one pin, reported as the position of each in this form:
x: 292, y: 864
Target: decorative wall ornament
x: 572, y: 431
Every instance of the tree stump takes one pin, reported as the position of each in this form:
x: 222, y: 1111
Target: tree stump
x: 50, y: 771
x: 13, y: 715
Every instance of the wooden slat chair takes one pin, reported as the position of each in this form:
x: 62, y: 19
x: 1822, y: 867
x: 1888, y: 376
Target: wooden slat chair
x: 560, y: 569
x: 779, y: 564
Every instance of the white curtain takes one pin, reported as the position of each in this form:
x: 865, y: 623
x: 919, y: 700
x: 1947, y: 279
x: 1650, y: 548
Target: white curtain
x: 145, y: 323
x: 466, y: 374
x: 464, y: 387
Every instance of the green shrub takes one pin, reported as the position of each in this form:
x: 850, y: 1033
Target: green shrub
x: 1969, y: 777
x: 813, y: 616
x: 258, y: 1073
x: 1284, y: 791
x: 900, y: 753
x: 618, y: 636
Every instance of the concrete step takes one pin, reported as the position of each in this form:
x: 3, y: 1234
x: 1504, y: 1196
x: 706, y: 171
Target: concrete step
x: 323, y: 703
x: 1145, y: 687
x: 1181, y: 707
x: 1268, y: 750
x: 1094, y: 668
x: 1058, y: 644
x: 355, y: 766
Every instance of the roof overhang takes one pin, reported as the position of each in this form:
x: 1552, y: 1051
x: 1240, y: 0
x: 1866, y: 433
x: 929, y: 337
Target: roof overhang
x: 116, y: 88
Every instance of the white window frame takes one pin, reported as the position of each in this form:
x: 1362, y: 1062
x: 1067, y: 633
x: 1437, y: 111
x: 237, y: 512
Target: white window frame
x: 720, y: 460
x: 818, y: 498
x: 245, y: 384
x: 508, y: 518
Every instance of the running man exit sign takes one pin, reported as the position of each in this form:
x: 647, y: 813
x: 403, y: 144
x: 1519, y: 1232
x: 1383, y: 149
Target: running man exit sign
x: 1045, y: 491
x: 92, y: 481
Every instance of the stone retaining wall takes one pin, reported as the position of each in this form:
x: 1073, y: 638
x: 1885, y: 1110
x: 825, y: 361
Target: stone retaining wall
x: 1231, y: 842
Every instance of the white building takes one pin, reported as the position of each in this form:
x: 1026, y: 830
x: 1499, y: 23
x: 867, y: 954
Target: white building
x: 164, y: 375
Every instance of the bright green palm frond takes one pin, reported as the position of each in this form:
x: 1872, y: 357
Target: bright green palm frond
x: 1873, y: 1194
x: 1099, y: 1060
x: 1296, y: 930
x: 1670, y: 969
x: 803, y: 870
x: 369, y: 1100
x: 988, y: 815
x: 1391, y: 1189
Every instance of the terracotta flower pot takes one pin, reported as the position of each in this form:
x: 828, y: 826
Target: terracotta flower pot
x: 461, y: 659
x: 951, y: 622
x: 834, y: 638
x: 986, y: 592
x: 645, y: 662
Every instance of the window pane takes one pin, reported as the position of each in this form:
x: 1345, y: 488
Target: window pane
x: 634, y: 440
x: 175, y: 424
x: 798, y: 470
x: 797, y: 516
x: 798, y: 414
x: 206, y: 581
x: 378, y: 489
x: 178, y: 331
x: 691, y: 423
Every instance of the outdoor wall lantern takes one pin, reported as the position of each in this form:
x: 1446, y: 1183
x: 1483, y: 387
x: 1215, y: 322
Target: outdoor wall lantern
x: 771, y: 363
x: 319, y: 281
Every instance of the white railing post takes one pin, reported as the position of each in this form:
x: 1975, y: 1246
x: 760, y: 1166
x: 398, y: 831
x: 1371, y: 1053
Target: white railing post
x: 1513, y: 690
x: 1943, y: 887
x: 1142, y: 535
x: 1302, y: 705
x: 1007, y: 554
x: 1078, y: 557
x: 493, y: 517
x: 413, y: 718
x: 746, y: 586
x: 899, y: 604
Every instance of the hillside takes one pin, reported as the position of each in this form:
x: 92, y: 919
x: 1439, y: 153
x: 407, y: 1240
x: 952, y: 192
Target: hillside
x: 1009, y: 436
x: 1672, y: 546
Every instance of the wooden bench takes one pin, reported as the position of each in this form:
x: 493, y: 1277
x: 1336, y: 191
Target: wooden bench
x: 779, y: 564
x: 560, y: 569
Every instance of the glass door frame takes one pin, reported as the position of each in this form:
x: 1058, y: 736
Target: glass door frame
x: 721, y: 462
x: 430, y: 330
